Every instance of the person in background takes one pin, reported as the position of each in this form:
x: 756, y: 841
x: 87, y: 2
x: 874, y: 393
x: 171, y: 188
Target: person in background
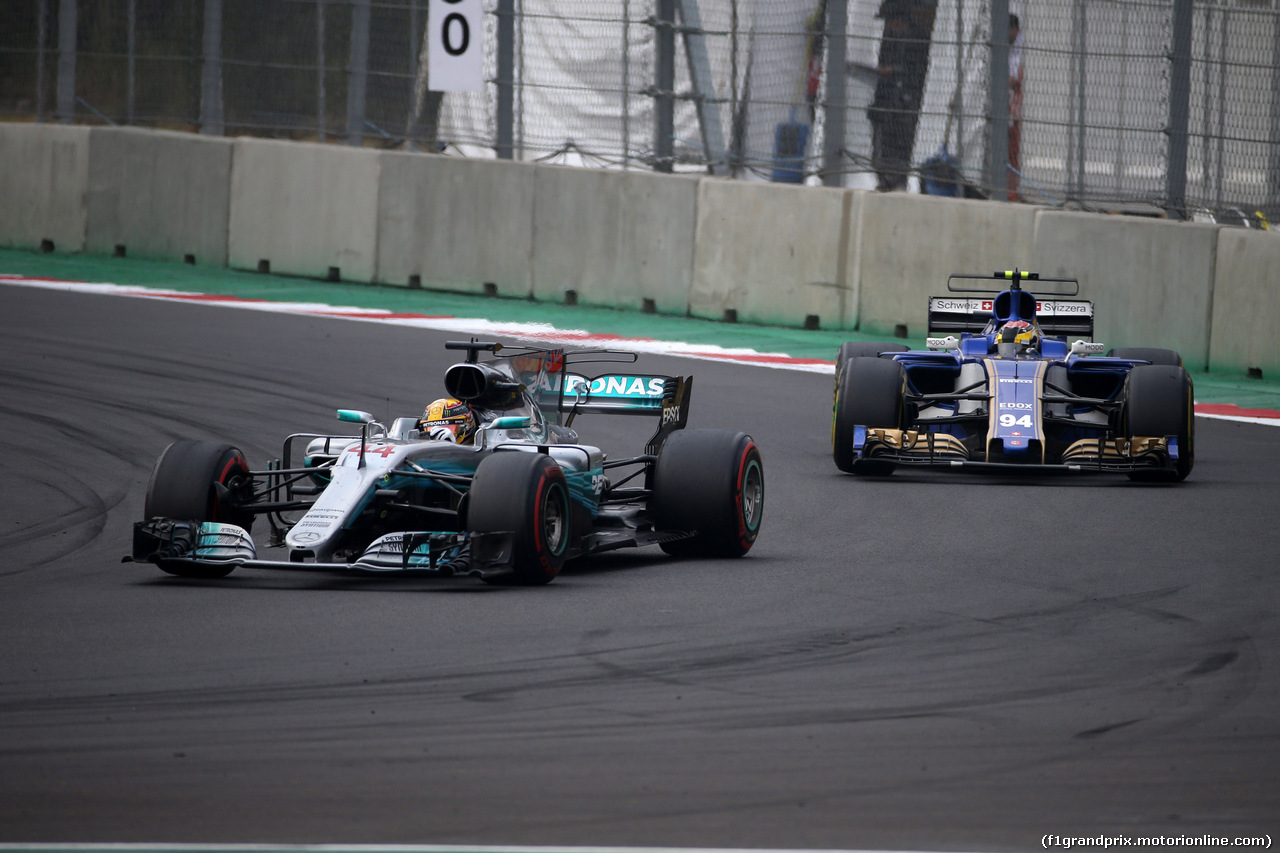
x: 1015, y: 106
x: 902, y: 67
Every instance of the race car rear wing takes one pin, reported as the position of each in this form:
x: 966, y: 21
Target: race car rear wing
x: 1054, y: 314
x: 667, y: 397
x: 614, y: 393
x: 546, y: 377
x: 1068, y: 317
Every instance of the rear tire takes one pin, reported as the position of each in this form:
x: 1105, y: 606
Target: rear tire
x: 1151, y: 354
x: 524, y: 493
x: 711, y: 481
x: 1159, y: 400
x: 869, y: 392
x: 183, y: 486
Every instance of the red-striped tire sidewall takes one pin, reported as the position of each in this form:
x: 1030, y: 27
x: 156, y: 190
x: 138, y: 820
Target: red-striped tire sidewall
x: 750, y: 458
x: 552, y: 479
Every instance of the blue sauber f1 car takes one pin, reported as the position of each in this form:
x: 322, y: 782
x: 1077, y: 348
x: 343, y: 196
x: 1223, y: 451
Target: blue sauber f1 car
x: 510, y: 506
x: 1012, y: 381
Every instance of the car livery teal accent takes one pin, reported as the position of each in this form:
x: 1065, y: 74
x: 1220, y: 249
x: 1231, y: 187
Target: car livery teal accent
x: 643, y: 390
x: 585, y: 487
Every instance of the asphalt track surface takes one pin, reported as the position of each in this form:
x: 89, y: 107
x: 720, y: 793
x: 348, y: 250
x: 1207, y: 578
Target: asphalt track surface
x: 920, y: 662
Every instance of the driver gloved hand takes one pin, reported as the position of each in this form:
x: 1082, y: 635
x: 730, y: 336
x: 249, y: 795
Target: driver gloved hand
x: 440, y: 433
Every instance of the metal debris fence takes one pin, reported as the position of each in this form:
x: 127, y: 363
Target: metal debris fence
x: 1166, y: 107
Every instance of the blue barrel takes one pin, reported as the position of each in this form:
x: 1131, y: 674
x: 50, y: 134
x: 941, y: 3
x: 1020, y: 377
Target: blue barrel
x: 789, y: 141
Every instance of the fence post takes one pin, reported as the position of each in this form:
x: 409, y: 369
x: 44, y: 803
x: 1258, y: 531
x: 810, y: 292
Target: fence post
x: 322, y: 107
x: 837, y: 94
x: 211, y: 114
x: 1179, y: 109
x: 67, y: 61
x: 665, y: 83
x: 417, y: 37
x: 1272, y: 208
x: 359, y: 71
x: 505, y: 130
x: 998, y: 102
x: 626, y: 84
x: 704, y: 88
x: 955, y: 109
x: 1076, y: 96
x: 42, y: 24
x: 131, y: 22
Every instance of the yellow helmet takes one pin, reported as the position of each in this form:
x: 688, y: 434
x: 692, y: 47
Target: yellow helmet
x: 449, y: 414
x: 1017, y: 336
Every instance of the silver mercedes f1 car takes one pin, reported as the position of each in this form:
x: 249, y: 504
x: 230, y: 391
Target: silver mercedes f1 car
x: 511, y: 505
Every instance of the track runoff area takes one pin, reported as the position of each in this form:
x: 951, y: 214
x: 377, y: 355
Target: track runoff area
x: 1217, y: 396
x: 1048, y: 842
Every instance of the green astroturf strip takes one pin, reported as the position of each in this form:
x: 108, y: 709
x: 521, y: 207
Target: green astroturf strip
x: 799, y: 343
x: 249, y: 285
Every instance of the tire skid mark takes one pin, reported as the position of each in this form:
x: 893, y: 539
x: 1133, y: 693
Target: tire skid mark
x: 1214, y: 662
x: 1102, y: 730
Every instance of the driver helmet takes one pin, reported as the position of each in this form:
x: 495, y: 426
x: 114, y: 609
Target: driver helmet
x: 448, y: 419
x: 1016, y: 337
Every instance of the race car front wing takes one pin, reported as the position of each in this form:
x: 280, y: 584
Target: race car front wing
x: 926, y: 448
x: 175, y: 545
x: 180, y: 545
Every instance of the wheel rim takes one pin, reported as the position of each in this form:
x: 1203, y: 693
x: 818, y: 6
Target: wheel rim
x: 554, y: 520
x: 752, y: 495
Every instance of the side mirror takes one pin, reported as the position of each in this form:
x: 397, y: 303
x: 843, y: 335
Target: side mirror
x: 1088, y: 348
x: 511, y: 422
x: 365, y: 419
x: 947, y: 343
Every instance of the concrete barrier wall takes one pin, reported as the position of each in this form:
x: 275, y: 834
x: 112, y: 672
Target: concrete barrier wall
x: 906, y: 246
x: 159, y: 194
x: 305, y: 208
x: 44, y: 171
x: 456, y: 224
x: 1151, y: 280
x: 772, y: 253
x: 1245, y: 332
x: 615, y: 239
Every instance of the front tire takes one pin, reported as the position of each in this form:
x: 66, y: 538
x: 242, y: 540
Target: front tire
x: 1151, y: 354
x: 1160, y: 401
x: 869, y: 392
x: 711, y: 481
x: 863, y: 349
x: 524, y: 493
x: 184, y: 485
